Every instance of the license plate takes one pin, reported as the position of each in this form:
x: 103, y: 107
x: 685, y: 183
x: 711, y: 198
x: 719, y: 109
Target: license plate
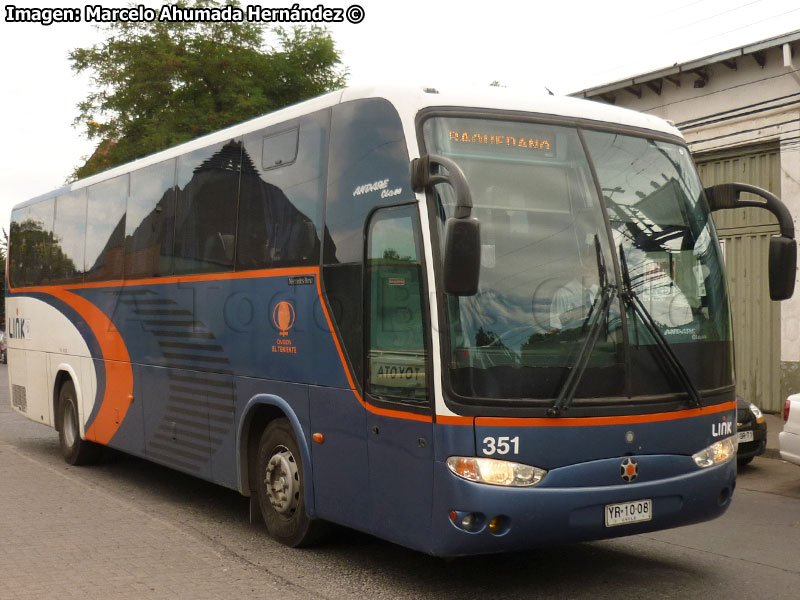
x: 744, y: 436
x: 629, y: 512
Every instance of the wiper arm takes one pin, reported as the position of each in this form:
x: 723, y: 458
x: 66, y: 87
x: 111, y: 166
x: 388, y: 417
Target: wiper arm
x: 597, y: 312
x: 669, y: 358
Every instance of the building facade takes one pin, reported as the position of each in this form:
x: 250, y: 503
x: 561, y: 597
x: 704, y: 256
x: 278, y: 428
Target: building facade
x: 740, y: 113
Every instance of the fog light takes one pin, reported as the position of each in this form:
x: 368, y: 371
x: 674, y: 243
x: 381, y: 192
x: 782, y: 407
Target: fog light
x: 498, y: 525
x: 471, y: 522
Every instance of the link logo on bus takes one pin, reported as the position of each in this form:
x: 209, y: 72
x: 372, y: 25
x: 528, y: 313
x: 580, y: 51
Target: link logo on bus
x: 722, y: 429
x: 19, y: 328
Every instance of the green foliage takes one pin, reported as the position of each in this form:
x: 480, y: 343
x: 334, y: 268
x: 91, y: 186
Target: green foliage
x: 162, y: 83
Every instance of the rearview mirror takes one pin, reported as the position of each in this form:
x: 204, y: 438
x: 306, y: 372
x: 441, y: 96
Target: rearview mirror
x: 782, y: 267
x: 462, y: 256
x: 462, y: 235
x: 782, y: 248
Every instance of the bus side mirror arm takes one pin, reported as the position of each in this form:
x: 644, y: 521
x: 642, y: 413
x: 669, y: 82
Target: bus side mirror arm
x: 782, y: 248
x: 462, y: 237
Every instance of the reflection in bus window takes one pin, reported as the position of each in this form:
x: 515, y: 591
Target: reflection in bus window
x: 540, y: 215
x: 105, y: 229
x: 667, y: 239
x: 150, y: 221
x: 280, y: 203
x: 208, y: 187
x: 68, y: 233
x: 397, y: 343
x: 368, y: 169
x: 31, y: 237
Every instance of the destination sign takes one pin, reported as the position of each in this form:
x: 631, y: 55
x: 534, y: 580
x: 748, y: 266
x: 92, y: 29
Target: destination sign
x: 492, y: 140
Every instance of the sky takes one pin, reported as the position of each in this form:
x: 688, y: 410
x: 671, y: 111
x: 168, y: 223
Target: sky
x: 532, y: 46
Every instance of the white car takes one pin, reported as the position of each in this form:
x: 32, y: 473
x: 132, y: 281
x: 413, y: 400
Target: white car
x: 789, y: 438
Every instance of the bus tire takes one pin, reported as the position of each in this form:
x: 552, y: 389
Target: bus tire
x: 76, y: 451
x: 280, y: 487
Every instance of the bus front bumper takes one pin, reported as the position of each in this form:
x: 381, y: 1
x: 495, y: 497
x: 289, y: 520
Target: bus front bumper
x: 508, y: 519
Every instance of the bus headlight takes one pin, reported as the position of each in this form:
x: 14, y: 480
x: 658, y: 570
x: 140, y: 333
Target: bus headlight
x: 495, y: 472
x: 716, y: 454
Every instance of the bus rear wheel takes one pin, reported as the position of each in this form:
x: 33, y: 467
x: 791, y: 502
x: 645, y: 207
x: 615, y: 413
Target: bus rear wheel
x: 76, y: 451
x: 280, y: 487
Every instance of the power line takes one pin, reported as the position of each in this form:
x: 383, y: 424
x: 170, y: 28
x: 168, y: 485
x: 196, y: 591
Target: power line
x: 782, y: 142
x: 680, y: 8
x: 761, y: 110
x: 735, y: 113
x: 714, y: 16
x: 751, y: 24
x: 727, y: 89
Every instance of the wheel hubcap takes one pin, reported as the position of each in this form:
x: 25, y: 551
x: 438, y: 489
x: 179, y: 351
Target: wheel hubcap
x: 282, y: 482
x: 70, y: 434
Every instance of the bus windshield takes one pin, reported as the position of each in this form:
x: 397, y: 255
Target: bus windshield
x: 565, y: 217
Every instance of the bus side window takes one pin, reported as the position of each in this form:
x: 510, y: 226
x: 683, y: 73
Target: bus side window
x: 397, y: 355
x: 69, y: 229
x: 150, y: 221
x: 105, y: 229
x: 281, y: 193
x: 207, y: 200
x: 31, y: 244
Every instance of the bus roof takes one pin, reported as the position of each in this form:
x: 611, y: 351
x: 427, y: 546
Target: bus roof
x: 409, y: 101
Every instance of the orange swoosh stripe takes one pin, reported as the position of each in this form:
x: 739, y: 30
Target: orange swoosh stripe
x: 289, y: 271
x: 119, y: 376
x: 112, y: 341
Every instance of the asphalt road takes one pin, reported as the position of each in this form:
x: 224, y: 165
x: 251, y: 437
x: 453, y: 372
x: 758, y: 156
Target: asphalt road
x: 130, y: 529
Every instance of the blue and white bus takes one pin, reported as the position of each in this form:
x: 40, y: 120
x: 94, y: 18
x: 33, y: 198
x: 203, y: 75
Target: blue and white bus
x: 465, y: 323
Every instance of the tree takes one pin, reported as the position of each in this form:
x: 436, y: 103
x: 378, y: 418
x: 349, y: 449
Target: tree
x: 160, y: 83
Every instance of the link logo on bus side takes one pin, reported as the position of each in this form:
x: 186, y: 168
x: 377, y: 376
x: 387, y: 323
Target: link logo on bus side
x: 18, y: 328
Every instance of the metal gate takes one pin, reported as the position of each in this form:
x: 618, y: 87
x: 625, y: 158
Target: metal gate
x: 744, y: 235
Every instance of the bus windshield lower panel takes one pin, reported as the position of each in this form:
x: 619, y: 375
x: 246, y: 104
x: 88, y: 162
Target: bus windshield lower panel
x: 551, y: 245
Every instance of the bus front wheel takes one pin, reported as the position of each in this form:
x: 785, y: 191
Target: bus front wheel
x: 76, y: 451
x: 280, y: 487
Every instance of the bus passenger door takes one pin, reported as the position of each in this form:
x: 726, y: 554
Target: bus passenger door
x: 399, y: 417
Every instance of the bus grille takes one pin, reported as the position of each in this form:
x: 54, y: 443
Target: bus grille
x: 19, y: 399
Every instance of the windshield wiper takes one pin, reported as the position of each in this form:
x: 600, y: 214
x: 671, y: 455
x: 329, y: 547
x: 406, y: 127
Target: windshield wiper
x: 668, y: 356
x: 593, y: 327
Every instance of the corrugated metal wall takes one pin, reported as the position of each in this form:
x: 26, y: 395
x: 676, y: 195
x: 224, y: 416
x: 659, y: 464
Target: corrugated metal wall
x: 745, y: 234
